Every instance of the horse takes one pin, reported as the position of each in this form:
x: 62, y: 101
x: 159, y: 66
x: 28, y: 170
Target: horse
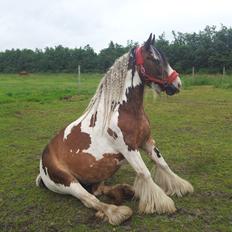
x: 112, y: 131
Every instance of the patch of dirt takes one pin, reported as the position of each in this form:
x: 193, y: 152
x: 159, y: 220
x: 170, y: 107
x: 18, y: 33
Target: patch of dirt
x: 193, y: 214
x: 93, y: 221
x: 66, y: 98
x: 18, y: 114
x: 215, y: 194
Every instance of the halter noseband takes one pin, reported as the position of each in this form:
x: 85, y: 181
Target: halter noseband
x: 140, y: 64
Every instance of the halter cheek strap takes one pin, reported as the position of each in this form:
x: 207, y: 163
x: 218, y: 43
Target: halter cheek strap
x: 140, y: 64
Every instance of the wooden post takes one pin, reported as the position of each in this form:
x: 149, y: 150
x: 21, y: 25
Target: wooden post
x: 224, y: 70
x: 193, y: 71
x: 79, y: 77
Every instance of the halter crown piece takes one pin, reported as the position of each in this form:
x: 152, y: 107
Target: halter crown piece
x: 140, y: 64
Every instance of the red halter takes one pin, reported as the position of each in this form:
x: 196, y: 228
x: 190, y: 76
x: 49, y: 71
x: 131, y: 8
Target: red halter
x: 140, y: 62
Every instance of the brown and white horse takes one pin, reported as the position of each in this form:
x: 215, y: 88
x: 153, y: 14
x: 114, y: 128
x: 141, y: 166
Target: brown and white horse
x: 112, y: 130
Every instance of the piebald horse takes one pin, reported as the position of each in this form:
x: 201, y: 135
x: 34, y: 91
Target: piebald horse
x: 112, y: 130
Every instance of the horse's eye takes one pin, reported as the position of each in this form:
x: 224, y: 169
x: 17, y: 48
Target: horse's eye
x: 157, y: 61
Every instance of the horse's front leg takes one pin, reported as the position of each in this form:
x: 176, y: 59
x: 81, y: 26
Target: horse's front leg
x: 152, y: 197
x: 170, y: 182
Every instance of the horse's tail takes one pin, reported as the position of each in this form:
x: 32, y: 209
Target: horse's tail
x: 39, y: 182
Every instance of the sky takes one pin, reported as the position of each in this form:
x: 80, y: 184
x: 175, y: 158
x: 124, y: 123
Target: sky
x: 76, y: 23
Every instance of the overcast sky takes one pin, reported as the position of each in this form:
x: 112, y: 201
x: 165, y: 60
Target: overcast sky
x: 74, y: 23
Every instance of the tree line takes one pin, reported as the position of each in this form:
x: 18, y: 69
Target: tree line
x: 208, y: 51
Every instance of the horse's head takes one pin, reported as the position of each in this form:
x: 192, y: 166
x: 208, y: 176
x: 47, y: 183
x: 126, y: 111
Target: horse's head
x: 154, y: 68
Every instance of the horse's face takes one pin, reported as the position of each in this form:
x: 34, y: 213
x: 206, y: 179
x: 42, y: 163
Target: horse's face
x: 155, y: 69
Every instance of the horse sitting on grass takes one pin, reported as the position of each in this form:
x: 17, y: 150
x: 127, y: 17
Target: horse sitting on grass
x: 112, y: 130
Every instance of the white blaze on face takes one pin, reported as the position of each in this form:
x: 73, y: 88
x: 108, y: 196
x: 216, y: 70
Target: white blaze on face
x: 154, y: 54
x: 177, y: 81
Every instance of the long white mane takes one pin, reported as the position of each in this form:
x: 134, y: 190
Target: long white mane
x: 110, y: 89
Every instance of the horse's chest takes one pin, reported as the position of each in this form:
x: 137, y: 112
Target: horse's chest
x: 143, y: 131
x: 135, y: 130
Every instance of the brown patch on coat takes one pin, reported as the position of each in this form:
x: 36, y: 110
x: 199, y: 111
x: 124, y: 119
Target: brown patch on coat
x: 88, y: 170
x: 112, y: 133
x: 93, y: 120
x: 132, y: 120
x: 78, y: 139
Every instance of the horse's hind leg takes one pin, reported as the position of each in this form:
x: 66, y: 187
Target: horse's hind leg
x: 164, y: 176
x: 114, y: 214
x: 118, y: 193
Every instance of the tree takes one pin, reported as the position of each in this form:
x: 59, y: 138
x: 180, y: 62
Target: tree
x: 208, y: 50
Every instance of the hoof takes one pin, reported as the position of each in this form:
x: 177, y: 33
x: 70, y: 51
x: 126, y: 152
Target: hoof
x: 152, y: 198
x: 172, y: 184
x: 118, y: 214
x: 101, y: 216
x: 162, y: 205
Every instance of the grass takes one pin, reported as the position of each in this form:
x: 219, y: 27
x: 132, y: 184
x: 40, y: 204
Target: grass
x: 218, y: 81
x: 192, y: 129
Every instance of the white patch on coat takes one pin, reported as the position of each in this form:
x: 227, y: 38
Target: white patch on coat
x: 128, y: 84
x: 68, y: 129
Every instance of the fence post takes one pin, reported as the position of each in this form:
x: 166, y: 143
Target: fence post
x: 224, y: 70
x: 79, y: 77
x: 193, y: 71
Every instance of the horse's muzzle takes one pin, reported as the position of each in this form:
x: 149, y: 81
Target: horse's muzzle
x: 171, y: 89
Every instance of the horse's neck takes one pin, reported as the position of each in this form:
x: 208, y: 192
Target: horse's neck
x: 134, y: 95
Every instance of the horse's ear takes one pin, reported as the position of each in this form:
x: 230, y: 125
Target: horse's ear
x: 148, y: 42
x: 153, y: 40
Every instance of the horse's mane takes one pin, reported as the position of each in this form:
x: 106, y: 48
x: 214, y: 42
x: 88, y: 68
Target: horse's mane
x: 110, y: 89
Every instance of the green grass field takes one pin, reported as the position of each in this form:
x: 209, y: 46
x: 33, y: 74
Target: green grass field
x: 192, y: 129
